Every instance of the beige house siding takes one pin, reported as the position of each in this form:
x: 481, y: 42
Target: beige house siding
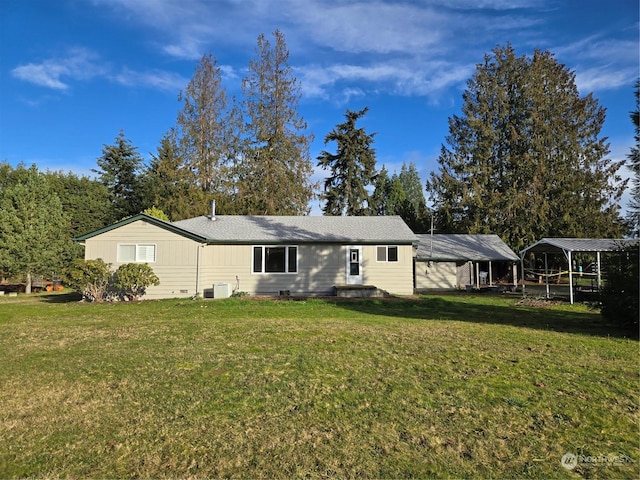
x: 436, y: 275
x: 394, y: 277
x: 186, y: 267
x: 320, y: 267
x: 176, y: 256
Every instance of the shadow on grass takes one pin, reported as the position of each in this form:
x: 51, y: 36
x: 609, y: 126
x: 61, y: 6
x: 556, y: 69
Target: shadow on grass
x: 465, y: 308
x: 61, y: 297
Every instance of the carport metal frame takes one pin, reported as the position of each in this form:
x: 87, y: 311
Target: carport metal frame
x: 569, y: 246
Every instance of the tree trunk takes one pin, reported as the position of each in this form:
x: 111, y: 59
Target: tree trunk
x: 27, y: 287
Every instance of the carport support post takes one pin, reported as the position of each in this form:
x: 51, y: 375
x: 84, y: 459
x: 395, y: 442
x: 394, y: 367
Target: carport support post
x: 546, y: 274
x: 598, y: 277
x: 523, y: 274
x: 490, y: 275
x: 570, y: 278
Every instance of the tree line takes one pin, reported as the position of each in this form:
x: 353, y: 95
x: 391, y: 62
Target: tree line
x: 524, y: 159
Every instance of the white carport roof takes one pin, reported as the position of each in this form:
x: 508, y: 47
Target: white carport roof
x: 463, y: 247
x: 566, y: 245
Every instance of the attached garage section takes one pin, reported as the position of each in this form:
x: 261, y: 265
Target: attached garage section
x: 458, y: 261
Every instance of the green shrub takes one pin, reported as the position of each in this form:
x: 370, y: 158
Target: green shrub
x: 90, y: 278
x: 620, y: 295
x: 131, y: 280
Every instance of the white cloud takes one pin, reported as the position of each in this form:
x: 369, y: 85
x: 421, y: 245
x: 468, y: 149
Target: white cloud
x: 407, y: 78
x: 601, y: 64
x: 604, y: 77
x: 81, y: 64
x: 157, y: 79
x: 406, y: 48
x: 55, y: 73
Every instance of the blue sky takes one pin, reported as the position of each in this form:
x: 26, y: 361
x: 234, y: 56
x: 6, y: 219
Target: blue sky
x: 73, y: 73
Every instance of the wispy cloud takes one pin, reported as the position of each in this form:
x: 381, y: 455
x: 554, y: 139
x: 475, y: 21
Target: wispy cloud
x: 405, y: 78
x: 80, y: 64
x: 604, y: 77
x: 56, y: 73
x: 378, y: 26
x: 156, y: 79
x: 601, y: 64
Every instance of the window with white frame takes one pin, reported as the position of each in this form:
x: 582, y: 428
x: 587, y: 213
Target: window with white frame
x: 275, y: 259
x: 136, y: 253
x: 387, y: 253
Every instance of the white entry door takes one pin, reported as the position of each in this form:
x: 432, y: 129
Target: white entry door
x: 354, y: 265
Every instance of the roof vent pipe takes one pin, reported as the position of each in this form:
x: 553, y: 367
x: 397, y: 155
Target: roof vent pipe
x: 213, y: 209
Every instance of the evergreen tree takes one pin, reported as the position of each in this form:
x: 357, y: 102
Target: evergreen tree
x: 401, y: 194
x: 633, y: 215
x: 34, y: 230
x: 209, y: 129
x: 273, y: 175
x: 352, y: 167
x: 412, y: 186
x: 120, y: 169
x: 379, y: 203
x: 414, y: 208
x: 85, y: 201
x: 525, y: 159
x: 172, y: 186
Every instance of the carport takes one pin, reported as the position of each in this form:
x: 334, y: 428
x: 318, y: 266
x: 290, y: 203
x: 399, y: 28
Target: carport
x: 569, y: 247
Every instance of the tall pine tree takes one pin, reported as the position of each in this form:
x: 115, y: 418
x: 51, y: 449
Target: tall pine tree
x: 525, y: 159
x: 273, y: 176
x: 120, y: 170
x: 633, y: 215
x: 208, y: 130
x: 352, y: 167
x: 414, y: 208
x: 172, y: 186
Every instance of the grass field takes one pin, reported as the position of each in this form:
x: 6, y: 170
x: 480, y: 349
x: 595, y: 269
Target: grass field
x: 442, y: 386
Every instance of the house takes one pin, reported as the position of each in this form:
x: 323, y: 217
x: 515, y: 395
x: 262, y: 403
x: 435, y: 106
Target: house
x: 261, y: 255
x: 454, y: 261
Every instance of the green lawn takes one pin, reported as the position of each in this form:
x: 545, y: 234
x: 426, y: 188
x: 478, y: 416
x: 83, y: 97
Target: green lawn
x: 442, y: 386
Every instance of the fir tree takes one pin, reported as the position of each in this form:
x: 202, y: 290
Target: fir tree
x: 120, y: 169
x: 352, y: 167
x: 525, y: 160
x: 633, y: 215
x: 272, y: 177
x: 208, y: 134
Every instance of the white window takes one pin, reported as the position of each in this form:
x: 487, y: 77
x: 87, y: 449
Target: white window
x: 387, y: 253
x: 275, y: 259
x: 136, y: 253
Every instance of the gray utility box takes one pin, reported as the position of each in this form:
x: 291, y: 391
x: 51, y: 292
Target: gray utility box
x: 221, y: 290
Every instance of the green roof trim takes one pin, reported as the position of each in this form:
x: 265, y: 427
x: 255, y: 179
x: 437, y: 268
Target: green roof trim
x: 146, y: 218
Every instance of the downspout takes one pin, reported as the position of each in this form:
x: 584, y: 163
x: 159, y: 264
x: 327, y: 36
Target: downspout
x: 198, y: 268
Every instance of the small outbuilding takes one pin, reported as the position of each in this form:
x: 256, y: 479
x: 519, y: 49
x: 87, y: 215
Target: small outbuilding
x: 566, y: 251
x: 459, y: 261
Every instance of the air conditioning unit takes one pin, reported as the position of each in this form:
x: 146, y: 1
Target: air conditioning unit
x: 222, y: 290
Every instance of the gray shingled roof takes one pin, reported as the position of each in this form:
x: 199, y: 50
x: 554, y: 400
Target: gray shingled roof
x: 577, y: 245
x: 299, y: 229
x: 458, y: 247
